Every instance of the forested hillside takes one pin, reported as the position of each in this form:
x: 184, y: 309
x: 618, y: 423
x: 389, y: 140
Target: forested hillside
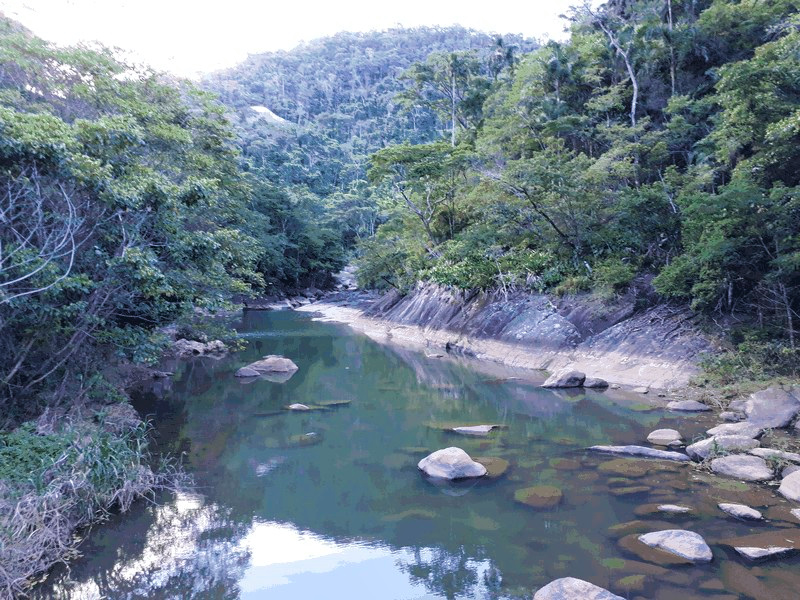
x: 308, y: 119
x: 656, y: 148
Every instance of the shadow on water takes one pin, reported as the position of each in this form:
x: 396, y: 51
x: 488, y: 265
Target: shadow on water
x: 329, y: 503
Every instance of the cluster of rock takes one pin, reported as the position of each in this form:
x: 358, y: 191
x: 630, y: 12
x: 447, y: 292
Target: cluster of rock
x: 187, y: 348
x: 569, y: 378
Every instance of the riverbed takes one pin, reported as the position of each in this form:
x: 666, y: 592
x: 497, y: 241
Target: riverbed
x: 329, y: 503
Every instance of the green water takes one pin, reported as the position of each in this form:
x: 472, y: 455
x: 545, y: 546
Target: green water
x: 330, y: 504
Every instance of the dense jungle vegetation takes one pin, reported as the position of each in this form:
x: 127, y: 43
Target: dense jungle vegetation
x: 656, y: 148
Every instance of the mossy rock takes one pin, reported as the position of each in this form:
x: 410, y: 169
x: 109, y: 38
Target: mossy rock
x: 495, y: 467
x: 334, y: 403
x: 412, y: 513
x: 305, y: 439
x: 632, y: 490
x: 539, y: 496
x: 632, y: 583
x: 626, y: 467
x: 565, y: 464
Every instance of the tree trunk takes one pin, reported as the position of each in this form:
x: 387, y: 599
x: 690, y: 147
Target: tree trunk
x: 453, y: 107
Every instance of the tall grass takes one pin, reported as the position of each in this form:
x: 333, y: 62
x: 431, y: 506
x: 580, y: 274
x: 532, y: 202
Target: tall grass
x: 54, y: 483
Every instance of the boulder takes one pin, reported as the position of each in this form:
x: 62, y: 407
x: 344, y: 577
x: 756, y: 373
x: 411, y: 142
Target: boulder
x: 641, y: 390
x: 727, y: 443
x: 188, y: 348
x: 795, y: 513
x: 687, y: 406
x: 731, y: 416
x: 680, y: 542
x: 765, y: 544
x: 269, y: 364
x: 746, y: 468
x: 474, y: 429
x: 298, y: 406
x: 565, y: 379
x: 740, y: 511
x: 539, y: 496
x: 755, y: 553
x: 641, y: 451
x: 664, y: 437
x: 773, y: 407
x: 673, y: 509
x: 570, y: 588
x: 789, y: 470
x: 790, y: 487
x: 768, y: 453
x: 595, y: 382
x: 451, y: 463
x: 744, y: 428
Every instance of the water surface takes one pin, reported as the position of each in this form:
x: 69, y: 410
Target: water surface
x: 330, y: 504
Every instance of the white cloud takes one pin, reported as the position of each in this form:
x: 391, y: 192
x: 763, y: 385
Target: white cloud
x: 189, y: 37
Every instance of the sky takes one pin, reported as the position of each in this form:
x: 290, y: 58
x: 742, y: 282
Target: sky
x: 190, y: 37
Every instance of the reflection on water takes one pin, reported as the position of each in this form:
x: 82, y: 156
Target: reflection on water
x: 329, y: 503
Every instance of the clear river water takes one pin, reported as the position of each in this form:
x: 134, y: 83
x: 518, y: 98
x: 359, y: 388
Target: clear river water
x: 330, y: 504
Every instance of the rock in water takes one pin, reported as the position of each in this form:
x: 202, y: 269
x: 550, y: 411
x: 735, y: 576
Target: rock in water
x: 746, y: 468
x: 451, y: 463
x: 595, y: 382
x: 474, y: 429
x: 673, y: 508
x: 742, y: 428
x: 680, y: 542
x: 570, y: 588
x: 269, y: 364
x: 728, y: 443
x: 641, y: 451
x: 664, y: 437
x: 565, y: 379
x: 687, y: 406
x: 298, y: 406
x: 753, y: 553
x: 740, y: 511
x: 773, y: 407
x: 790, y: 486
x: 539, y: 496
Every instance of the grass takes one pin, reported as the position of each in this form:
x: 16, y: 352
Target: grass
x: 56, y: 479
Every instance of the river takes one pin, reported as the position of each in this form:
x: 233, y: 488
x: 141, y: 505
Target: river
x: 330, y: 504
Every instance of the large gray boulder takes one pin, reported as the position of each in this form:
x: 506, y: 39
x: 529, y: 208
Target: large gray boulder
x: 790, y: 486
x: 185, y: 348
x: 721, y: 443
x: 664, y: 437
x: 680, y: 542
x: 643, y: 451
x: 269, y: 364
x: 746, y: 468
x: 767, y: 453
x: 565, y: 379
x: 687, y: 406
x: 773, y: 407
x: 451, y: 463
x: 595, y: 382
x: 744, y: 428
x: 570, y: 588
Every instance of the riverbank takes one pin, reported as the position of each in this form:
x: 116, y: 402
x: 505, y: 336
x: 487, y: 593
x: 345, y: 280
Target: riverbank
x: 656, y: 348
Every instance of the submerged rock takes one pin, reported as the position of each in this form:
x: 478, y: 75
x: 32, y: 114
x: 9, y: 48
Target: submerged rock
x: 595, y: 382
x: 495, y: 466
x: 773, y: 407
x: 688, y: 406
x: 746, y: 468
x: 565, y: 379
x: 740, y: 511
x: 539, y: 496
x: 790, y: 486
x: 744, y: 428
x: 728, y: 443
x: 664, y: 437
x: 680, y: 542
x: 570, y: 588
x: 269, y: 364
x: 475, y: 429
x: 451, y: 463
x: 641, y: 451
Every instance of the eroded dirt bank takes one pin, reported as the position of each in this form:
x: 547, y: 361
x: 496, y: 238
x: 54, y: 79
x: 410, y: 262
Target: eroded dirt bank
x: 658, y: 347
